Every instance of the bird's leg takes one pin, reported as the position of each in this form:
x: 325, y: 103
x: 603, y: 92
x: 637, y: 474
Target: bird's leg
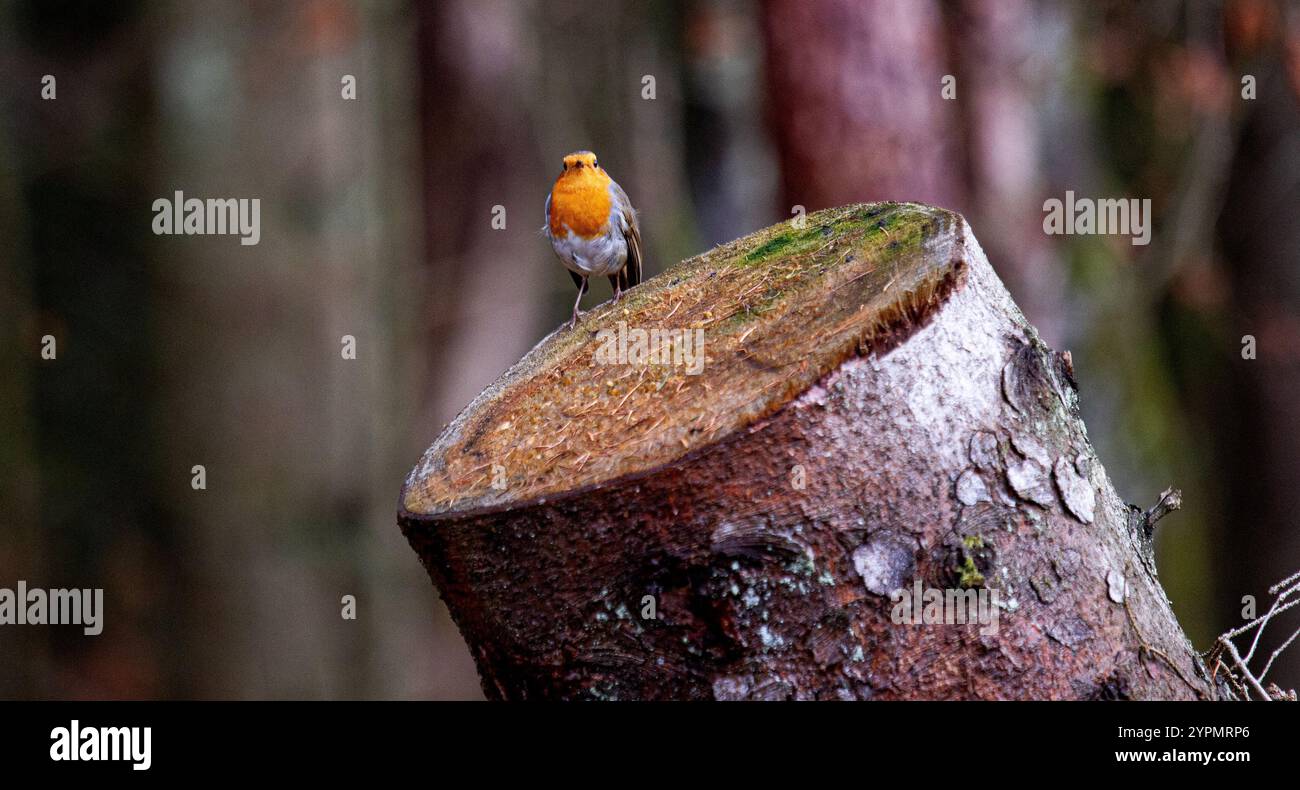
x: 618, y: 290
x: 581, y: 290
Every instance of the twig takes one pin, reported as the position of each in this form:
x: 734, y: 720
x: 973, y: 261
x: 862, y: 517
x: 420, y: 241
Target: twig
x: 1171, y: 499
x: 1238, y: 672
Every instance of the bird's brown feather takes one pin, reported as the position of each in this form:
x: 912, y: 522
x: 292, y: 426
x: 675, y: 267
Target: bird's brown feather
x: 632, y: 270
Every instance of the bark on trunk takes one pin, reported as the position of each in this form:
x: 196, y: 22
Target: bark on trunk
x: 874, y: 414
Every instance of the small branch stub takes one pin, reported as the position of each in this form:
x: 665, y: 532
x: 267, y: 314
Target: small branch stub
x: 1171, y: 499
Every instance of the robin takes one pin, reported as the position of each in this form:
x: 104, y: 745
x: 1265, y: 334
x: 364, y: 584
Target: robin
x: 593, y: 227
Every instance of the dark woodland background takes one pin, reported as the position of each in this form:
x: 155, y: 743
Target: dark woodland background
x: 175, y: 351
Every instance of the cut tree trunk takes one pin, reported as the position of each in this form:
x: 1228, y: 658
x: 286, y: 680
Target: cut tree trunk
x: 873, y: 418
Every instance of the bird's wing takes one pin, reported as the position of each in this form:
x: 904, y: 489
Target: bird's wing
x: 631, y: 231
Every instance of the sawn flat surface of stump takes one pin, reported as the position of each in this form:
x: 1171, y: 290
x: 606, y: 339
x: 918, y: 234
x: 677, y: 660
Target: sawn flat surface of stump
x: 853, y: 278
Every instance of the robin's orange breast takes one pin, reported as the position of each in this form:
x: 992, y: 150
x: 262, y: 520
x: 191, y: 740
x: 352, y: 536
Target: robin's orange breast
x: 581, y: 202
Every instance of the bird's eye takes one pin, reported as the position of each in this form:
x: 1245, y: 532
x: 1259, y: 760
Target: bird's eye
x: 594, y: 163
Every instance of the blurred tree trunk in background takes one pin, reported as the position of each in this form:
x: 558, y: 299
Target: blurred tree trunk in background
x: 858, y: 113
x: 732, y: 167
x: 1258, y: 429
x: 475, y: 66
x: 19, y: 462
x: 855, y: 106
x: 85, y: 511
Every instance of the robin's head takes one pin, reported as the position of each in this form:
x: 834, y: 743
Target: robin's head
x: 581, y: 162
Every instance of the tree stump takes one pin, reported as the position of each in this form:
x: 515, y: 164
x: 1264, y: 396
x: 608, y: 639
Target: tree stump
x: 873, y: 420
